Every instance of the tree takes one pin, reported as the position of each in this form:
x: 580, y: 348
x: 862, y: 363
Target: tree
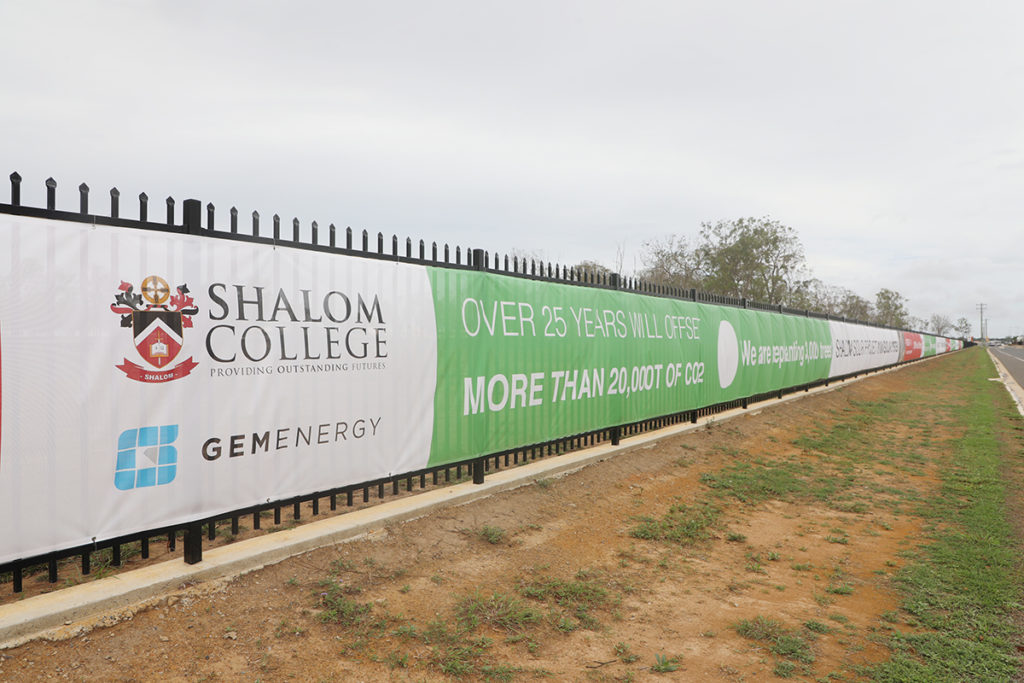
x: 890, y: 308
x: 963, y: 328
x: 670, y: 262
x: 940, y: 324
x: 855, y: 307
x: 815, y: 295
x: 756, y: 258
x: 592, y: 268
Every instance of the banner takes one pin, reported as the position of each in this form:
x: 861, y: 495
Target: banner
x: 149, y: 379
x: 520, y: 361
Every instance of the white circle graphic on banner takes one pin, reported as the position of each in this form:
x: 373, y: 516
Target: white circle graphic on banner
x: 728, y: 354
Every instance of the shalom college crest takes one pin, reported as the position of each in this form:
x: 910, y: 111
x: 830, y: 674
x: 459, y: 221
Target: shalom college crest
x: 158, y: 321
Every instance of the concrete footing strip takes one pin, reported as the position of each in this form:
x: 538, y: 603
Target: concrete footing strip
x: 58, y: 614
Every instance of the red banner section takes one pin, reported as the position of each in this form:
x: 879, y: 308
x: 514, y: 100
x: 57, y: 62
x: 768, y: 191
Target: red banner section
x: 913, y: 346
x: 141, y: 374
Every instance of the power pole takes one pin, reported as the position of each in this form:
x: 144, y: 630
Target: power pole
x: 981, y: 321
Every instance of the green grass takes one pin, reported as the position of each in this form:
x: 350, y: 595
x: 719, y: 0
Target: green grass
x: 338, y: 608
x: 492, y: 534
x: 663, y: 664
x: 498, y: 610
x: 963, y: 586
x: 682, y: 524
x: 573, y: 599
x: 789, y: 644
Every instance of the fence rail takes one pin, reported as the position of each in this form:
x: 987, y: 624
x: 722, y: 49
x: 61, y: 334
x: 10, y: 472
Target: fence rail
x: 361, y: 244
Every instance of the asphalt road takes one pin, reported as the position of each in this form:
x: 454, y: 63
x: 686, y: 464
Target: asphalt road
x: 1012, y: 358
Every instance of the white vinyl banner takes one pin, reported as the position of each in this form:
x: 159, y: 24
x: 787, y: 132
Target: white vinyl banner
x: 148, y: 378
x: 856, y: 348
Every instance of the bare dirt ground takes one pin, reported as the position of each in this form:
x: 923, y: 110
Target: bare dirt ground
x: 550, y: 581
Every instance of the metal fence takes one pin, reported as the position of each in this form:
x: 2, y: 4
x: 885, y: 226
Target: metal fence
x: 359, y: 244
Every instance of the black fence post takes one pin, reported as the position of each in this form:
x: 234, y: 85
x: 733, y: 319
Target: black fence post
x: 193, y: 543
x: 478, y: 464
x: 15, y: 189
x: 192, y: 216
x: 51, y: 194
x: 115, y: 202
x: 143, y: 207
x: 83, y: 198
x: 616, y: 433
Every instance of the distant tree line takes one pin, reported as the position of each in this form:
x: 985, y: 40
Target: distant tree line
x: 763, y: 260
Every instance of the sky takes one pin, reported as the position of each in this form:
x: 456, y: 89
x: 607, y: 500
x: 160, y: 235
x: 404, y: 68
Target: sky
x: 888, y: 135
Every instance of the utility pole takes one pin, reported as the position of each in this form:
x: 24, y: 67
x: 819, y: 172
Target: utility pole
x: 981, y: 321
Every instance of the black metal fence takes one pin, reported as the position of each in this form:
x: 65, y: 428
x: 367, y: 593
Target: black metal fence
x: 363, y: 245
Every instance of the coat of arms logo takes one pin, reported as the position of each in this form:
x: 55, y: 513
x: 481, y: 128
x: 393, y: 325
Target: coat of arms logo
x: 158, y: 320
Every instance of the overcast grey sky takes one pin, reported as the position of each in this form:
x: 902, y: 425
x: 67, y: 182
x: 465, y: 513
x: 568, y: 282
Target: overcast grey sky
x: 889, y: 135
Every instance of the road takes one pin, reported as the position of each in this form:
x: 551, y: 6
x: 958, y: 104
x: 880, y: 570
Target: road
x: 1012, y: 358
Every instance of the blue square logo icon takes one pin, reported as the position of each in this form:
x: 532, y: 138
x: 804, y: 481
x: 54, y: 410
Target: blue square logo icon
x: 146, y: 457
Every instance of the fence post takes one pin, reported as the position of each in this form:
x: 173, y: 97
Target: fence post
x: 478, y: 464
x: 193, y: 543
x: 192, y: 216
x: 15, y: 189
x: 616, y: 435
x: 51, y: 194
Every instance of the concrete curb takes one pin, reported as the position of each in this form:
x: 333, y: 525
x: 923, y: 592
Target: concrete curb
x: 72, y: 611
x: 1016, y: 391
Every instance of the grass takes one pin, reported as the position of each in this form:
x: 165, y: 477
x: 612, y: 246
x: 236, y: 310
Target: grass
x: 958, y: 578
x: 492, y: 534
x: 789, y: 644
x: 498, y: 610
x: 622, y: 651
x: 963, y: 586
x: 340, y: 609
x: 663, y: 664
x: 574, y: 599
x: 682, y: 524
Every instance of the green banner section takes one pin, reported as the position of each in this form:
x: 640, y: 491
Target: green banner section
x: 521, y: 362
x: 929, y: 345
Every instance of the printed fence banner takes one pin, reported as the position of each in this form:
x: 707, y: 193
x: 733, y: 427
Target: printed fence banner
x: 149, y: 379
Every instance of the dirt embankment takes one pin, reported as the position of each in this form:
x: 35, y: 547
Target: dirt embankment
x: 743, y: 551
